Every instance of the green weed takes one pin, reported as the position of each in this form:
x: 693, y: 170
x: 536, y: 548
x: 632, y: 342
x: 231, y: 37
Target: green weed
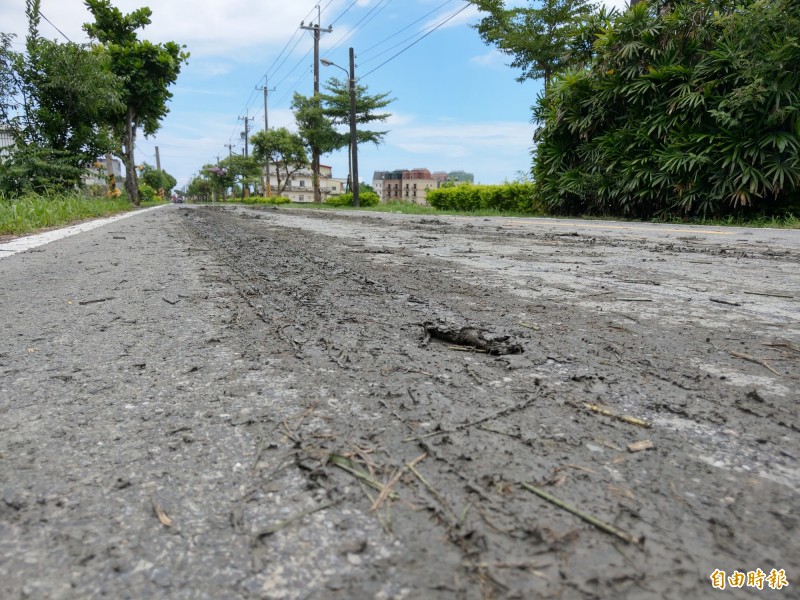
x: 33, y: 212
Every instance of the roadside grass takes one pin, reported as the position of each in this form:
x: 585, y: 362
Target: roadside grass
x: 32, y: 213
x: 409, y: 208
x: 789, y: 221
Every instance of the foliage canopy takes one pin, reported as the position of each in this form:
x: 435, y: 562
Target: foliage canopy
x: 283, y: 149
x: 55, y: 100
x: 147, y: 70
x: 540, y: 37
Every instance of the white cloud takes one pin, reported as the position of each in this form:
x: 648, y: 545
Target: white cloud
x: 493, y: 58
x: 206, y: 27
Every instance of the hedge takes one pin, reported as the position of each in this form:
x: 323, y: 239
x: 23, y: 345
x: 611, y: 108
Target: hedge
x: 365, y: 199
x: 509, y: 197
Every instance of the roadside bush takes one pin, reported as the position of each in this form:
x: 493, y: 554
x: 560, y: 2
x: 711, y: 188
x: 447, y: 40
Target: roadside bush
x: 365, y: 199
x: 147, y: 194
x: 509, y: 197
x: 688, y: 108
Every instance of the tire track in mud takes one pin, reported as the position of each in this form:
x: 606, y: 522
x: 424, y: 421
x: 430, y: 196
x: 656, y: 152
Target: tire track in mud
x: 351, y: 330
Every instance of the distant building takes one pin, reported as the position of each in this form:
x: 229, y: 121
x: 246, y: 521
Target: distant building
x: 412, y: 185
x: 6, y: 142
x: 97, y: 174
x: 300, y: 187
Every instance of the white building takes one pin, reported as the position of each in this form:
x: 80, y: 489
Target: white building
x: 6, y: 141
x: 300, y: 187
x: 97, y: 173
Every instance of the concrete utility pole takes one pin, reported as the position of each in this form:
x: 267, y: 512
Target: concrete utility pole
x: 230, y: 149
x: 352, y: 176
x: 315, y: 150
x: 354, y: 129
x: 267, y: 90
x: 246, y: 132
x: 158, y: 160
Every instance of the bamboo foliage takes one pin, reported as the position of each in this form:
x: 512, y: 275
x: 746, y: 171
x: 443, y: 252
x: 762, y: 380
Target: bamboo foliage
x: 687, y: 109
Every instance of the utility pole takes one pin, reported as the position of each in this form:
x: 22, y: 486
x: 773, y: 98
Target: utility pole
x: 353, y: 129
x: 230, y: 156
x: 246, y: 132
x: 268, y: 187
x: 315, y: 149
x: 158, y: 160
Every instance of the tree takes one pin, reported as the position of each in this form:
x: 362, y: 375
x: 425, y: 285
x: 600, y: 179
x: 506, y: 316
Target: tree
x: 282, y: 148
x: 538, y: 39
x: 147, y: 69
x: 158, y: 180
x: 10, y: 81
x: 200, y: 188
x: 244, y: 170
x: 315, y: 128
x: 336, y: 107
x: 56, y: 97
x: 319, y: 116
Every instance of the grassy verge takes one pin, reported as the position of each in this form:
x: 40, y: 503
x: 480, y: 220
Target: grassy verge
x: 32, y: 213
x: 786, y: 222
x: 408, y: 208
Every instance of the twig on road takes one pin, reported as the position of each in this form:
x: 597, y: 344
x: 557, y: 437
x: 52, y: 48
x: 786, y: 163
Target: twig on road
x: 85, y: 302
x: 393, y: 480
x: 720, y: 301
x: 602, y: 525
x: 753, y: 359
x: 608, y: 413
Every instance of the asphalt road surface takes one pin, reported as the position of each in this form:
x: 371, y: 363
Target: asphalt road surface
x: 228, y: 402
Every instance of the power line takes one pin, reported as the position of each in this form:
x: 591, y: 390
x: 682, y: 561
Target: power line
x: 409, y: 26
x: 414, y: 43
x: 293, y: 87
x: 41, y: 14
x: 346, y: 10
x: 250, y: 98
x: 368, y: 17
x: 297, y: 31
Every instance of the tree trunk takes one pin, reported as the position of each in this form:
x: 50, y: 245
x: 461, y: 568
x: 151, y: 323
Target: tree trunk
x: 315, y: 175
x: 128, y: 144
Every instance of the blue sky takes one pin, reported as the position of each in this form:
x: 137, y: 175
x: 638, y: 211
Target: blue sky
x: 458, y: 105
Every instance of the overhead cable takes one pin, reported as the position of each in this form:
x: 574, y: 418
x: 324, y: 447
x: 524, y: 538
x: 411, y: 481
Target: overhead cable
x: 418, y: 40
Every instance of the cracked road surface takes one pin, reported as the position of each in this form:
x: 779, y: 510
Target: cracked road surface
x: 226, y: 402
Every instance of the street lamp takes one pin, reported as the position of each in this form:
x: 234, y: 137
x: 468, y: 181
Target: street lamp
x: 353, y: 130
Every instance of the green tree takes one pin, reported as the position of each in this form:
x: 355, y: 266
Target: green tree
x: 10, y: 81
x: 336, y: 108
x: 56, y: 97
x: 318, y: 118
x: 147, y: 69
x: 242, y: 171
x: 316, y: 129
x: 283, y: 149
x: 158, y: 180
x: 538, y: 38
x: 199, y: 188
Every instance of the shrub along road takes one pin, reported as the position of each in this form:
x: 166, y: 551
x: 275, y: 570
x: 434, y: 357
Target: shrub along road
x: 274, y: 403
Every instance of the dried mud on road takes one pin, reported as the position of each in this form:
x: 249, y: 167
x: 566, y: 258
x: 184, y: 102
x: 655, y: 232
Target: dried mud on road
x: 355, y: 406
